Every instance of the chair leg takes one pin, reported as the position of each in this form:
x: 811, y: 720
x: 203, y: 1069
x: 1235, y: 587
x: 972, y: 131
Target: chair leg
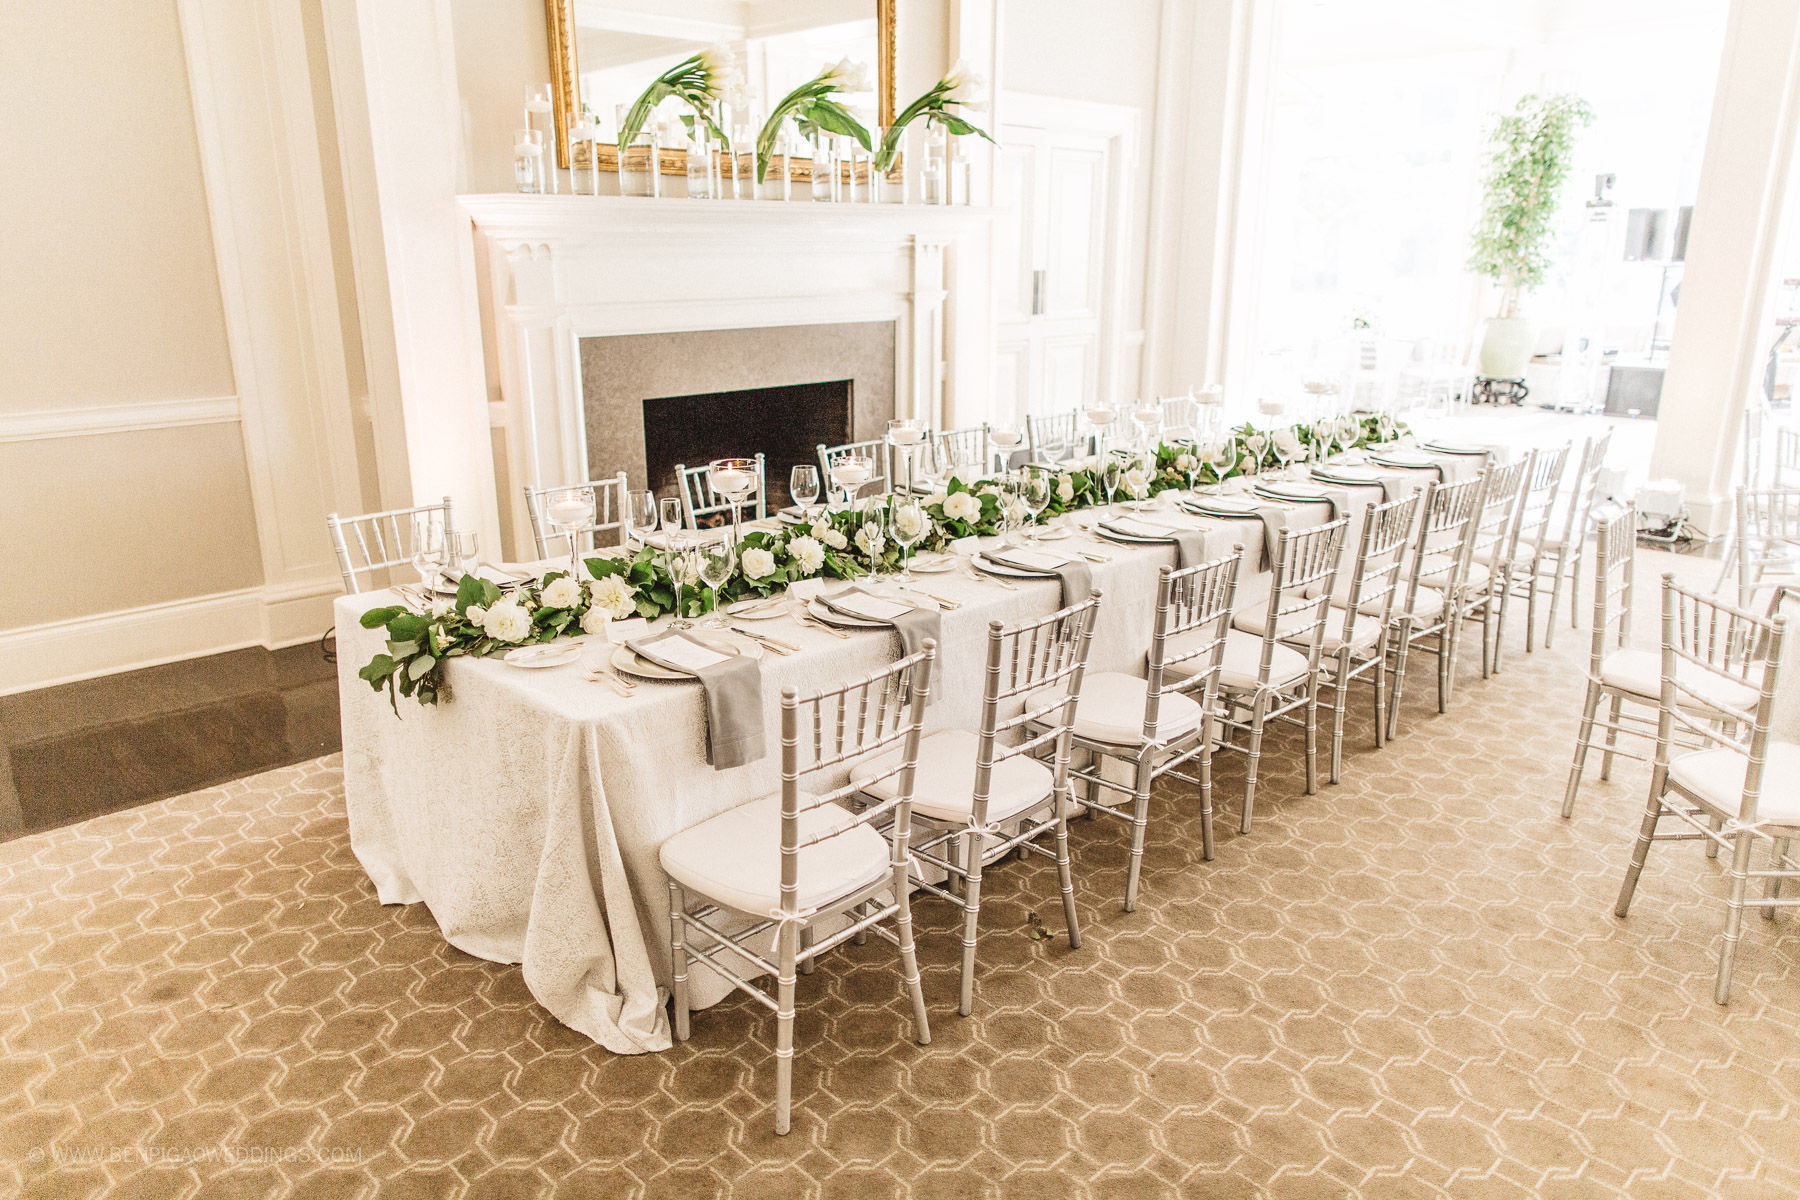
x: 1500, y: 616
x: 1612, y: 738
x: 1207, y: 731
x: 1778, y: 861
x: 1448, y: 638
x: 806, y: 941
x: 1582, y: 738
x: 1380, y: 689
x: 1487, y: 628
x: 1140, y: 818
x: 784, y: 1026
x: 1734, y: 913
x: 1096, y: 764
x: 1556, y: 590
x: 1531, y: 591
x: 1312, y: 737
x: 973, y: 852
x: 1727, y: 560
x: 1393, y: 718
x: 679, y: 958
x: 1257, y: 708
x: 1712, y: 847
x: 1065, y: 877
x: 1339, y: 701
x: 909, y: 959
x: 1640, y: 850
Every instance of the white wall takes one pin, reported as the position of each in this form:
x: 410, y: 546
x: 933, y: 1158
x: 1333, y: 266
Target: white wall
x: 111, y: 300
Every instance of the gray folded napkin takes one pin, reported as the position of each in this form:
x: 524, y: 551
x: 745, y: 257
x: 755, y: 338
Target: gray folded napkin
x: 1190, y: 544
x: 1336, y: 497
x: 1274, y: 520
x: 734, y: 708
x: 1077, y: 579
x: 1404, y: 465
x: 914, y: 625
x: 1391, y: 487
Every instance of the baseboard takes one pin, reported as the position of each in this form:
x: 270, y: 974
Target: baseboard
x: 107, y: 643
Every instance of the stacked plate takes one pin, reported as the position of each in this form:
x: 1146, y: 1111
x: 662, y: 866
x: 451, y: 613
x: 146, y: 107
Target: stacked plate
x: 724, y: 642
x: 1021, y: 562
x: 1147, y: 530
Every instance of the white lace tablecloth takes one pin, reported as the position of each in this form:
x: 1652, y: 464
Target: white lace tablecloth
x: 527, y: 809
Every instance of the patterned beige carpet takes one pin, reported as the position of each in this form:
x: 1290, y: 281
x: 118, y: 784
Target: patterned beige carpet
x: 1409, y: 985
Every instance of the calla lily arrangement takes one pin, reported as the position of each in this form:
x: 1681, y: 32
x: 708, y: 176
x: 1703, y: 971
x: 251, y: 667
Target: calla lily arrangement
x: 961, y: 88
x: 813, y: 109
x: 701, y: 81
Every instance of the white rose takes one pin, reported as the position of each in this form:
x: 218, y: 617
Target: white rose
x: 936, y: 498
x: 1065, y: 489
x: 562, y: 593
x: 1185, y: 462
x: 758, y: 563
x: 833, y: 538
x: 1136, y: 479
x: 1018, y: 512
x: 441, y: 608
x: 1287, y: 443
x: 477, y: 615
x: 595, y: 620
x: 910, y: 521
x: 962, y: 507
x: 507, y: 622
x: 808, y: 553
x: 613, y: 595
x: 869, y: 539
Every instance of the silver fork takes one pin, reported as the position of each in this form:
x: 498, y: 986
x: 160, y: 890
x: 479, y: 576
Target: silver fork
x: 983, y: 577
x: 807, y: 621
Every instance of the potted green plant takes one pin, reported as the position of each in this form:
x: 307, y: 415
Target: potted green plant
x: 1527, y: 161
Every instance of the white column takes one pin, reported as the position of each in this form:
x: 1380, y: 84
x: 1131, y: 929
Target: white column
x: 254, y: 117
x: 393, y: 75
x: 1716, y: 360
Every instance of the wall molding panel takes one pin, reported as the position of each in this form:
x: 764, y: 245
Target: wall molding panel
x: 89, y: 421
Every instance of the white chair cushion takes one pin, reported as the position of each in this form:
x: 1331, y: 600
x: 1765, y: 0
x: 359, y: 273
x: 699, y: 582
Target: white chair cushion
x: 1717, y: 776
x: 1366, y: 631
x: 1640, y: 673
x: 735, y: 858
x: 944, y: 779
x: 1435, y: 572
x: 1243, y: 659
x: 1428, y: 606
x: 1111, y: 709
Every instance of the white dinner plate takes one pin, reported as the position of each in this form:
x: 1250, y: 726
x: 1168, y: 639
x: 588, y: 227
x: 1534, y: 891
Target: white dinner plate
x: 933, y: 564
x: 983, y: 562
x: 725, y: 642
x: 550, y: 654
x: 1053, y: 533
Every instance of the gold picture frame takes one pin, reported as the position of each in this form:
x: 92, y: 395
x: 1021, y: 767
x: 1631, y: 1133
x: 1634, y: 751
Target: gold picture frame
x: 565, y: 75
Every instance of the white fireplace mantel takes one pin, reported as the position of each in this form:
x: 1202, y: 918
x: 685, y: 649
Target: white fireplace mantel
x: 556, y: 269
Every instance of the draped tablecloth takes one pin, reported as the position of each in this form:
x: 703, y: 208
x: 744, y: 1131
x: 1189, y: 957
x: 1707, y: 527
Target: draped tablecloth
x: 528, y: 807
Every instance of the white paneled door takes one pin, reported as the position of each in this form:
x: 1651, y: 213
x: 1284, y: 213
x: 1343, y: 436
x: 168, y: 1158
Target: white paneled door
x: 1054, y: 186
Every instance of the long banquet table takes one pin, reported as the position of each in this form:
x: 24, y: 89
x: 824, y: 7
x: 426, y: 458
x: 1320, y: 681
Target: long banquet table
x: 527, y: 809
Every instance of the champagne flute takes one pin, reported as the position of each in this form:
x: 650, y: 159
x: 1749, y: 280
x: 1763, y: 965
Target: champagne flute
x: 906, y: 525
x: 717, y: 562
x: 684, y: 571
x: 573, y: 510
x: 1034, y: 493
x: 871, y: 533
x: 803, y: 487
x: 672, y: 546
x: 1111, y: 471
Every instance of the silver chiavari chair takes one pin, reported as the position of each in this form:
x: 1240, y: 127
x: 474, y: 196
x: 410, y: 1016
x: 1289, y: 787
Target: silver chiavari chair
x: 1768, y: 540
x: 969, y: 786
x: 1296, y: 613
x: 1560, y: 554
x: 1054, y: 429
x: 1181, y: 416
x: 1717, y: 686
x: 1492, y: 542
x: 794, y: 860
x: 1164, y: 721
x: 382, y: 540
x: 1359, y: 646
x: 699, y: 501
x: 1787, y: 457
x: 609, y: 515
x: 1537, y: 507
x: 968, y: 445
x: 1434, y: 587
x: 876, y: 450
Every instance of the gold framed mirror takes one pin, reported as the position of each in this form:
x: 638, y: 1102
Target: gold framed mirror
x: 626, y: 48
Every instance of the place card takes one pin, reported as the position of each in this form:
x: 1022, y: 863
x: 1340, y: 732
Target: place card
x: 1030, y: 560
x: 688, y: 654
x: 869, y: 608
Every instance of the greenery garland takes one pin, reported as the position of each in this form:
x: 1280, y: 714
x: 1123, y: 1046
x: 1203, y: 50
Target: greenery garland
x: 484, y: 620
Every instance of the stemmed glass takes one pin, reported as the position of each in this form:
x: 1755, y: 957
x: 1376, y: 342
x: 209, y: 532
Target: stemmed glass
x: 1101, y: 417
x: 907, y: 524
x: 1139, y: 469
x: 640, y: 516
x: 674, y: 546
x: 732, y: 478
x: 1148, y: 418
x: 1111, y: 471
x: 573, y: 510
x: 684, y: 571
x: 1053, y: 450
x: 1004, y: 439
x: 1187, y: 446
x: 1034, y: 492
x: 850, y: 472
x: 905, y: 435
x: 715, y: 564
x: 1284, y: 454
x: 871, y: 532
x: 803, y: 488
x: 428, y: 546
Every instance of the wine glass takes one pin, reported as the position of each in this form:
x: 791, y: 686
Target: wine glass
x: 1004, y: 439
x: 871, y: 532
x: 1284, y: 448
x: 803, y: 486
x: 850, y: 472
x: 1034, y: 493
x: 573, y: 510
x: 428, y: 546
x: 1139, y: 470
x: 465, y: 545
x: 907, y: 523
x: 1188, y: 448
x: 1112, y: 470
x: 684, y: 571
x: 640, y: 516
x: 905, y: 435
x: 716, y: 563
x: 734, y: 479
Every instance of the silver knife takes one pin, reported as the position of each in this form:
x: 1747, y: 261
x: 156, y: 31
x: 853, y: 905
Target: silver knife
x: 763, y: 639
